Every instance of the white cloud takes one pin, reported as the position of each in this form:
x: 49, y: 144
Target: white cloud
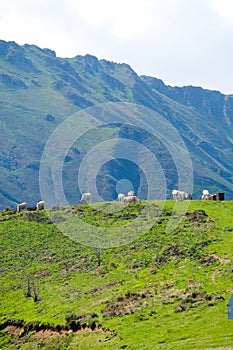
x: 224, y: 10
x: 124, y: 18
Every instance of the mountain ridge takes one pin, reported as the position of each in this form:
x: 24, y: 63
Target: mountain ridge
x: 39, y: 90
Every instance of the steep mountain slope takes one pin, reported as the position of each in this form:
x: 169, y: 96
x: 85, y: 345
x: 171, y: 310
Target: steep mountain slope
x: 212, y: 105
x: 39, y: 90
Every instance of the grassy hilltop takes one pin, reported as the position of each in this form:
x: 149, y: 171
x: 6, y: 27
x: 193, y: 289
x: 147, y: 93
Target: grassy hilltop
x: 165, y: 290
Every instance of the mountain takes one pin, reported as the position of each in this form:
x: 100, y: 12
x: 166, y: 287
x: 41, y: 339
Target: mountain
x: 38, y: 91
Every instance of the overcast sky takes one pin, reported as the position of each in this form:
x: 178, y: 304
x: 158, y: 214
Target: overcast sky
x: 182, y: 42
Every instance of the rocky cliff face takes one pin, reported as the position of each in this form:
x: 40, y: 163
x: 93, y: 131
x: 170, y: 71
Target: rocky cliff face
x: 40, y: 90
x: 212, y: 105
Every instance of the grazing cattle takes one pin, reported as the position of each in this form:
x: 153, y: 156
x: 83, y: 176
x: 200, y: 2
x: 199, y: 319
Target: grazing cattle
x: 40, y: 205
x: 220, y: 196
x: 86, y: 197
x: 205, y: 192
x: 121, y: 197
x: 130, y: 199
x: 207, y: 196
x: 131, y: 193
x: 213, y: 197
x: 21, y: 206
x: 181, y: 195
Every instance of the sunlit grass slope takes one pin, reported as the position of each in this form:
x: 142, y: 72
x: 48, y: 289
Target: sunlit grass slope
x: 168, y: 289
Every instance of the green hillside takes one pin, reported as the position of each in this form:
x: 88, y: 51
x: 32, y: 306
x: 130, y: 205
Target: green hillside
x: 168, y: 289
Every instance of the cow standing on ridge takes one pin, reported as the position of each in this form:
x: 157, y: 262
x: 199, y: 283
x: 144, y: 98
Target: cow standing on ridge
x: 181, y: 195
x: 21, y: 206
x: 86, y: 197
x: 40, y: 205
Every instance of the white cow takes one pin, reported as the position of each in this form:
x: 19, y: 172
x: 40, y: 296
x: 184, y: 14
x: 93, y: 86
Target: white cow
x: 206, y: 195
x: 130, y: 199
x: 121, y: 197
x: 86, y: 197
x: 181, y: 195
x: 131, y: 193
x: 40, y: 205
x: 205, y: 192
x: 21, y: 206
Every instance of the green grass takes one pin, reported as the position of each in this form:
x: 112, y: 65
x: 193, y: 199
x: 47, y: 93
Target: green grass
x: 164, y: 290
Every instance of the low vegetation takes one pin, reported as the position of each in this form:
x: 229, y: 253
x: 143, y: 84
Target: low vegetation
x: 164, y: 290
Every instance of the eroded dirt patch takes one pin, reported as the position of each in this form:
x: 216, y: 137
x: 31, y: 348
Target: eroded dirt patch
x: 198, y: 216
x: 105, y: 287
x: 20, y: 328
x: 126, y: 304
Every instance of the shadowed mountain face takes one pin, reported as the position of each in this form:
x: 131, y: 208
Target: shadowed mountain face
x: 38, y: 91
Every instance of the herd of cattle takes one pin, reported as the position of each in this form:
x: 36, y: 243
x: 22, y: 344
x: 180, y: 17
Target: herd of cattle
x: 177, y: 195
x: 131, y: 197
x: 181, y: 195
x: 40, y: 205
x: 86, y: 197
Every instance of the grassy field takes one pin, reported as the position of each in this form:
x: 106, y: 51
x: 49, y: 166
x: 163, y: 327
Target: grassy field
x: 164, y: 290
